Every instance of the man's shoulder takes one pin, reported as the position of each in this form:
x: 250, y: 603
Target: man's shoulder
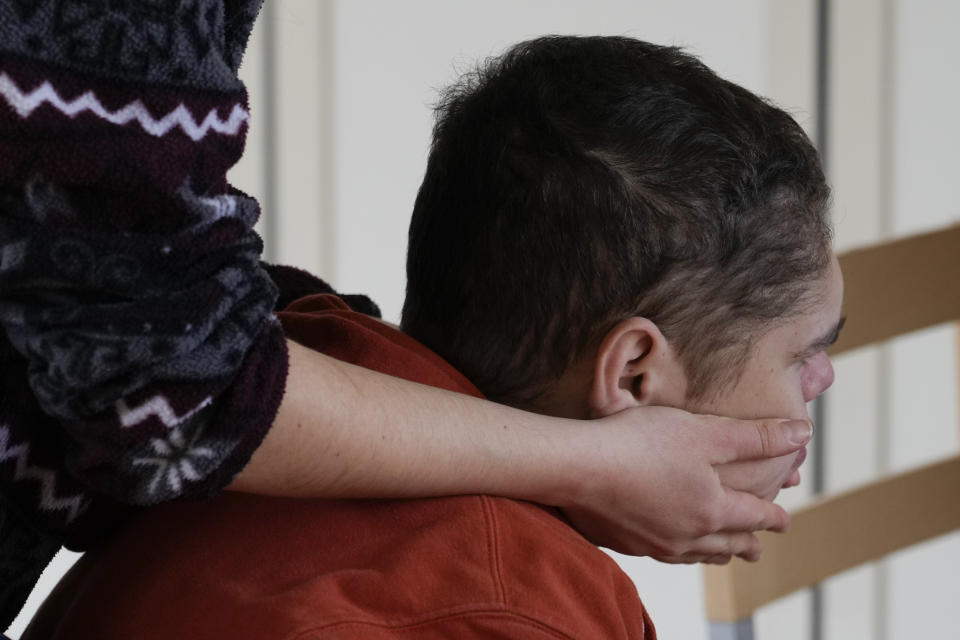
x: 470, y: 562
x: 551, y: 573
x: 243, y: 566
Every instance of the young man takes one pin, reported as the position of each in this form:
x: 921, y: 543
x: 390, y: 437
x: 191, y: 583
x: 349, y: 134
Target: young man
x: 603, y: 224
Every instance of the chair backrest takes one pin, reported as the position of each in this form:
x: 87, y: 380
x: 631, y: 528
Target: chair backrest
x: 891, y: 289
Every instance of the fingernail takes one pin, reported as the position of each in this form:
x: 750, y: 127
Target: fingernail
x: 799, y: 431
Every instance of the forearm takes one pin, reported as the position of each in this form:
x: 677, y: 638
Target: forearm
x: 642, y: 482
x: 347, y: 432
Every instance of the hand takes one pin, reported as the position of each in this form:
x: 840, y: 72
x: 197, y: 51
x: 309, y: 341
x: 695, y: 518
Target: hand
x: 762, y: 478
x: 650, y: 481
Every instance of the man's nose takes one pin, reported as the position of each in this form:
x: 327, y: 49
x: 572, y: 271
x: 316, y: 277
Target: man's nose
x: 818, y: 376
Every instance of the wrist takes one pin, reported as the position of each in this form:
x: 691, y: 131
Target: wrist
x: 570, y: 464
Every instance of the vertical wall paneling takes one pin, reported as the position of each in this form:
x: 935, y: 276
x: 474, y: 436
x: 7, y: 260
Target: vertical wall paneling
x: 300, y: 167
x: 818, y: 412
x: 287, y: 164
x: 857, y: 162
x: 923, y: 582
x: 327, y: 166
x: 884, y: 370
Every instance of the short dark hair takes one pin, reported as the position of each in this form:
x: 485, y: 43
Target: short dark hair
x: 574, y: 182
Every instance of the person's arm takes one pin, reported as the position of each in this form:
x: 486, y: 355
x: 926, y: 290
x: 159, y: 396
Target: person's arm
x: 134, y: 298
x: 641, y: 482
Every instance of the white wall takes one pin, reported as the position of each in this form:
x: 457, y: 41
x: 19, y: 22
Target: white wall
x: 391, y: 57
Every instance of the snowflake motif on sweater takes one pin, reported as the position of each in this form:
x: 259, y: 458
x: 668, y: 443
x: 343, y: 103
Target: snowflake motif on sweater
x: 176, y: 459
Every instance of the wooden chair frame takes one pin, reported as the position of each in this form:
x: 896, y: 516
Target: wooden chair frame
x: 891, y: 289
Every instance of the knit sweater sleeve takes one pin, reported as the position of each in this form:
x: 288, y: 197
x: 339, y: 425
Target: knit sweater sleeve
x: 139, y: 358
x: 132, y: 299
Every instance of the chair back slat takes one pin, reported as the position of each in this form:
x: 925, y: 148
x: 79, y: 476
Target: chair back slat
x: 839, y: 533
x: 900, y: 286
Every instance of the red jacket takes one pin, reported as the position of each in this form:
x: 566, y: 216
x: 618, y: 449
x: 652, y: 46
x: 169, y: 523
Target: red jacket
x: 244, y: 566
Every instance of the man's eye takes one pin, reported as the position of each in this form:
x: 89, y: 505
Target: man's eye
x: 805, y: 360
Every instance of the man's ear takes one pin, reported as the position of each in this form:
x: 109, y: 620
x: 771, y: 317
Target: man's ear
x: 635, y: 366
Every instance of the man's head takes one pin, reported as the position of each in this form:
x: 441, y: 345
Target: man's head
x: 595, y: 206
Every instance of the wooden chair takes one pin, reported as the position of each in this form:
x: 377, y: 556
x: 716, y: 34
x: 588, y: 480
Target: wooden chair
x: 892, y: 289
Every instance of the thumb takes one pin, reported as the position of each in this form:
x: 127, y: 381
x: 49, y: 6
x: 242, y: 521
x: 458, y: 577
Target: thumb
x: 771, y: 438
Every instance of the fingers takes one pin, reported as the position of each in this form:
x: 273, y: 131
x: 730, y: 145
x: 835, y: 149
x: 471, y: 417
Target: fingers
x: 734, y: 533
x: 793, y: 480
x: 746, y: 512
x: 756, y: 439
x: 718, y: 548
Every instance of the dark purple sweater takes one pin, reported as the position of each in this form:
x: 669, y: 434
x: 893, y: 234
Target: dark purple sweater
x: 139, y: 358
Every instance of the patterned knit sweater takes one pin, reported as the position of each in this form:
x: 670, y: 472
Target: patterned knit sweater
x: 139, y: 359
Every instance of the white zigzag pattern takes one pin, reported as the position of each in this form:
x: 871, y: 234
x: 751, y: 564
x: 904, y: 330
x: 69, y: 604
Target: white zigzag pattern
x: 223, y: 206
x: 26, y: 103
x: 47, y: 478
x: 155, y: 406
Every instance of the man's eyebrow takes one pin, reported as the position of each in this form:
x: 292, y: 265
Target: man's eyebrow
x: 823, y: 342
